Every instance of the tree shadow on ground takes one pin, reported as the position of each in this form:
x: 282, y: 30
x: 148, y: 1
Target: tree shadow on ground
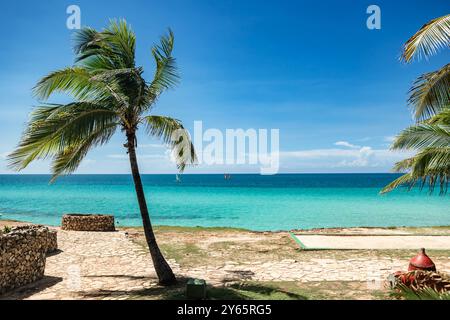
x: 155, y: 292
x: 238, y: 291
x: 253, y: 291
x: 31, y: 289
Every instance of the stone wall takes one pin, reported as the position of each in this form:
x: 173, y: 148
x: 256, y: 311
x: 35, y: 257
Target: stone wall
x: 22, y: 256
x: 52, y: 241
x: 86, y: 222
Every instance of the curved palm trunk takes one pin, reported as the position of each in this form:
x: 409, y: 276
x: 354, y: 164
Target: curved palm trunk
x: 162, y: 268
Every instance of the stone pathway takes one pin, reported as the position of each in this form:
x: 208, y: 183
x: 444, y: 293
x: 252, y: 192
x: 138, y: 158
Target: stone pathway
x: 109, y: 265
x: 363, y: 269
x: 93, y: 265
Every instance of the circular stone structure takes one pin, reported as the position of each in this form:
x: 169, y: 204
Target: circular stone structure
x: 88, y: 222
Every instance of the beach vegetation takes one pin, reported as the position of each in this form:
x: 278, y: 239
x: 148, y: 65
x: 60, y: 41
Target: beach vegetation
x: 6, y: 229
x: 427, y: 293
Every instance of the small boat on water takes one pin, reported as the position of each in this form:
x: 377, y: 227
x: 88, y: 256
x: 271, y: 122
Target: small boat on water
x: 177, y: 178
x: 227, y: 176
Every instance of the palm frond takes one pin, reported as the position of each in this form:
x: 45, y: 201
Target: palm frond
x: 122, y: 41
x: 112, y: 48
x: 166, y: 73
x: 432, y: 37
x: 75, y: 81
x: 430, y: 93
x: 83, y: 86
x: 85, y: 39
x: 69, y: 159
x: 443, y: 117
x: 429, y: 167
x: 52, y: 129
x: 406, y: 179
x: 423, y: 294
x: 423, y: 136
x: 172, y: 132
x: 125, y: 83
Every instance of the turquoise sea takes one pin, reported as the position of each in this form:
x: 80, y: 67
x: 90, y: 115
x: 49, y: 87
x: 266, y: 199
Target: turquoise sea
x: 281, y: 202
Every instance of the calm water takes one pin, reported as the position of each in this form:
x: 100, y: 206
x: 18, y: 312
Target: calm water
x: 255, y: 202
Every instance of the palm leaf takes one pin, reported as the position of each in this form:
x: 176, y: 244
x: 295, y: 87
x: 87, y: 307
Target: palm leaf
x: 69, y: 159
x: 432, y: 37
x: 54, y: 128
x: 430, y: 93
x: 443, y: 117
x: 406, y: 179
x: 122, y: 42
x: 172, y: 132
x: 166, y: 73
x: 422, y: 294
x: 113, y: 48
x: 423, y: 136
x: 430, y: 167
x: 75, y: 81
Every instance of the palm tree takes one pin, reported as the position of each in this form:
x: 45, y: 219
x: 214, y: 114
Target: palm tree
x: 430, y: 100
x: 109, y: 92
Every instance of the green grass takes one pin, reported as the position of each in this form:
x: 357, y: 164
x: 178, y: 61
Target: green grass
x: 186, y: 254
x: 268, y: 290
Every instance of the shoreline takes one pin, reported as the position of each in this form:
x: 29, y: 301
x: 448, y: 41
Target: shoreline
x: 324, y: 230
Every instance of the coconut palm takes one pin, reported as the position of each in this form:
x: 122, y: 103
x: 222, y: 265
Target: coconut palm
x: 109, y: 93
x: 430, y: 101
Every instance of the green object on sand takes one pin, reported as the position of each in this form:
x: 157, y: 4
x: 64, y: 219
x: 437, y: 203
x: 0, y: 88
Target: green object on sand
x: 196, y: 289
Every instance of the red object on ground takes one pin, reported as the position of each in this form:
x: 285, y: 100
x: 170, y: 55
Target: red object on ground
x: 421, y: 262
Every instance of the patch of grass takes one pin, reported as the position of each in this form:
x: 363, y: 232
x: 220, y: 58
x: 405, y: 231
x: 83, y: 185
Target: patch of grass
x: 263, y: 250
x: 255, y: 291
x: 241, y: 291
x: 186, y: 254
x: 269, y: 290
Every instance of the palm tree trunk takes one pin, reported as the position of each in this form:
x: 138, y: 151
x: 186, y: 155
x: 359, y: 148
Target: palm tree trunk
x: 162, y: 268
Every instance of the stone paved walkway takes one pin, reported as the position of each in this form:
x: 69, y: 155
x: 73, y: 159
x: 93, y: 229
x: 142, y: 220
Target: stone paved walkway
x: 110, y: 266
x: 364, y: 269
x: 93, y: 265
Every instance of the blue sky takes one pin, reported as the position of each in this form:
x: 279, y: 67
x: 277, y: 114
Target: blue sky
x: 334, y: 88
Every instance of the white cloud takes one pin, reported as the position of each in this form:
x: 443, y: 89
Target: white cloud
x: 362, y: 157
x: 346, y: 144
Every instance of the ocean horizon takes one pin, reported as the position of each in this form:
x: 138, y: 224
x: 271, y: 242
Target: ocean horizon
x: 250, y: 201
